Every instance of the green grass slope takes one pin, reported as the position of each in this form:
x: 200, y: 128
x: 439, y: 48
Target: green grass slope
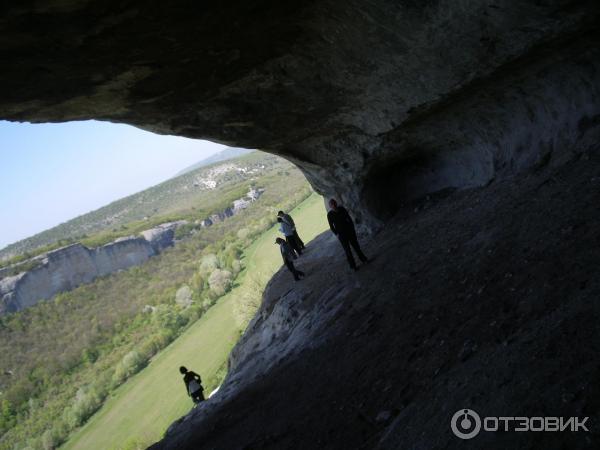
x: 142, y: 409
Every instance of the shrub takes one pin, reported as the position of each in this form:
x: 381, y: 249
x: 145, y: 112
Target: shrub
x: 236, y: 266
x: 243, y: 233
x: 183, y: 297
x: 86, y: 402
x: 131, y: 363
x: 249, y: 301
x: 220, y: 281
x: 49, y: 440
x: 168, y: 319
x: 136, y: 444
x: 209, y: 263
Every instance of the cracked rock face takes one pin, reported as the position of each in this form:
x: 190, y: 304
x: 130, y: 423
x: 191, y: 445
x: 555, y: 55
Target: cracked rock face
x: 66, y: 268
x: 372, y: 100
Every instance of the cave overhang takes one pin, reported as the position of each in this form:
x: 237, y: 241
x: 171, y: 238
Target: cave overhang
x: 379, y: 103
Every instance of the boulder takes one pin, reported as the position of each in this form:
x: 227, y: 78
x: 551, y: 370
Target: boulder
x: 159, y: 238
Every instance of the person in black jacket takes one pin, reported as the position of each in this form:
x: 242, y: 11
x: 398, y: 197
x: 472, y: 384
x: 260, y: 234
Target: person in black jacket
x: 193, y: 384
x: 288, y: 255
x: 342, y: 226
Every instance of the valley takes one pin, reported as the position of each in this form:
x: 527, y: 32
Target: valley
x: 65, y: 357
x: 139, y: 412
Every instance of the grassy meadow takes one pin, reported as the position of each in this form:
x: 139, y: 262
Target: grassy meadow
x: 139, y: 412
x: 62, y: 359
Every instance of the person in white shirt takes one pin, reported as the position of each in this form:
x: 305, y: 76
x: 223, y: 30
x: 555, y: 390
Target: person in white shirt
x: 288, y: 232
x: 287, y: 218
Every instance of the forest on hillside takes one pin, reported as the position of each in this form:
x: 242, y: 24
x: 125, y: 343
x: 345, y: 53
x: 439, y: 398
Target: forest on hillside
x: 193, y: 195
x: 62, y: 358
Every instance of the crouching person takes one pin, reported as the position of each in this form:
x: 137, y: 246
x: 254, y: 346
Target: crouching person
x: 288, y: 255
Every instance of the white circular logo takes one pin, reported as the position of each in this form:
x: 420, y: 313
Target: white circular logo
x: 465, y: 424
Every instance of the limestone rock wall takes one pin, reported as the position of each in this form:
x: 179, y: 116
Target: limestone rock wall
x: 237, y: 206
x: 68, y: 267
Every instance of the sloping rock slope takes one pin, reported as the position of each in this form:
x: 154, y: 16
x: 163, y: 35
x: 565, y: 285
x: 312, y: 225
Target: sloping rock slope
x: 484, y: 299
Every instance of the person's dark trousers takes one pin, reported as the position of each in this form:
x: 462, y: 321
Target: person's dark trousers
x: 348, y: 240
x: 297, y: 273
x: 198, y: 396
x: 294, y: 244
x: 298, y: 240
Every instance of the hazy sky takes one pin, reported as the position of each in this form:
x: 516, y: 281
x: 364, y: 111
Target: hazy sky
x: 50, y: 173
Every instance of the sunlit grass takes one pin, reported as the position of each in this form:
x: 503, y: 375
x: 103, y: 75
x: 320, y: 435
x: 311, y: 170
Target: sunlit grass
x: 142, y: 409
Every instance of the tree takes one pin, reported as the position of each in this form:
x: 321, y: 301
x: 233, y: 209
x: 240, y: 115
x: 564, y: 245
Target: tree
x: 236, y: 266
x: 220, y: 281
x: 209, y: 263
x: 86, y: 402
x: 89, y: 355
x: 249, y: 301
x: 183, y: 297
x: 131, y: 363
x: 49, y: 441
x: 7, y: 415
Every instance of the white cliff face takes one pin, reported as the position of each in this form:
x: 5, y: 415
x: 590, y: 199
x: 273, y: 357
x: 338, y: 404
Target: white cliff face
x: 237, y: 206
x: 68, y: 267
x: 162, y: 236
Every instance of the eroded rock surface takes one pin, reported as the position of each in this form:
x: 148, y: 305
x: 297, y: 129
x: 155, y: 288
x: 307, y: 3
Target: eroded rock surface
x: 68, y: 267
x: 373, y: 100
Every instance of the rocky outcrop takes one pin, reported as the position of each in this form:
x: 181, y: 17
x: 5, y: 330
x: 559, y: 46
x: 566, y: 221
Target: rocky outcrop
x: 68, y: 267
x: 483, y: 299
x: 377, y: 102
x: 238, y: 206
x: 162, y: 236
x: 5, y: 271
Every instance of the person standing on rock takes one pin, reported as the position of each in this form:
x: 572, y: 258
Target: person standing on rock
x: 288, y: 255
x: 193, y: 384
x: 287, y: 218
x: 288, y: 232
x: 342, y: 226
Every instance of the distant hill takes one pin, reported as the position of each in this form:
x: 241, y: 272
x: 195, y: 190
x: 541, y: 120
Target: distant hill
x: 223, y: 155
x: 192, y: 193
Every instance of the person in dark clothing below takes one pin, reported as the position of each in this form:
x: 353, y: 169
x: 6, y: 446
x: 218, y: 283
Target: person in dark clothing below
x: 287, y: 218
x: 342, y: 226
x: 288, y: 232
x: 193, y: 384
x: 288, y: 255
